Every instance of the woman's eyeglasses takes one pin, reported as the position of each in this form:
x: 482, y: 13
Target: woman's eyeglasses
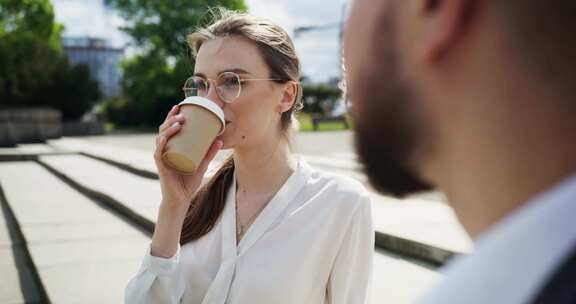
x: 228, y: 86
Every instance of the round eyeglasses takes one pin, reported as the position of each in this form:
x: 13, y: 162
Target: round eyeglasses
x: 228, y: 86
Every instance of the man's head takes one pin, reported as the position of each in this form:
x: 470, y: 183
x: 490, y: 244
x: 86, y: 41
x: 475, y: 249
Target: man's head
x: 433, y: 80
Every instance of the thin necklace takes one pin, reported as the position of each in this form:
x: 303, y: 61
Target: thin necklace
x: 242, y: 229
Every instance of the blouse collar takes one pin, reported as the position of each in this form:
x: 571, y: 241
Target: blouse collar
x: 269, y: 215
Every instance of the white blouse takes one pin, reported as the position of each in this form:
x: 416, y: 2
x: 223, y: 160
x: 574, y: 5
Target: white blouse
x: 313, y: 243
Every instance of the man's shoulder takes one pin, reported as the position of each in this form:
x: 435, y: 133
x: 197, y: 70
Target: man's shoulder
x: 560, y: 287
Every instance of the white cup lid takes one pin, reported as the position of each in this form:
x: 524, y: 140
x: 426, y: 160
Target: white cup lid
x: 208, y: 105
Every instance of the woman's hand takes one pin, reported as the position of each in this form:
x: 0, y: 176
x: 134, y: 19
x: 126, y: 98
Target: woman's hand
x: 178, y: 189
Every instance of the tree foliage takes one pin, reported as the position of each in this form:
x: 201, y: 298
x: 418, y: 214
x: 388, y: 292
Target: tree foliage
x: 153, y: 79
x: 320, y: 98
x: 34, y: 17
x: 33, y: 70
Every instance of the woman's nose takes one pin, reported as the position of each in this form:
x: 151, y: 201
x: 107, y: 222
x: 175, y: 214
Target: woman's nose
x: 213, y: 95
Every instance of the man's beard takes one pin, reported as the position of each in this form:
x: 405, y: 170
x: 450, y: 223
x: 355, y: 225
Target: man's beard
x: 388, y: 130
x: 386, y: 140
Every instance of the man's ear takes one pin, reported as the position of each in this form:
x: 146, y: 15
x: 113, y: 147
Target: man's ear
x: 445, y: 24
x: 289, y: 95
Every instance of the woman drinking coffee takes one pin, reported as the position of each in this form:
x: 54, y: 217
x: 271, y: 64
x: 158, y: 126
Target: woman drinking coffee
x: 266, y: 227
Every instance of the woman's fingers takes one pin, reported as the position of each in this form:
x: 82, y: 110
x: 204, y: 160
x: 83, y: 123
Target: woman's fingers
x: 170, y: 121
x: 214, y: 148
x: 163, y: 137
x: 172, y: 111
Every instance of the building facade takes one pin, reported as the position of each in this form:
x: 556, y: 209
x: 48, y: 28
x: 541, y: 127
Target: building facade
x: 101, y: 59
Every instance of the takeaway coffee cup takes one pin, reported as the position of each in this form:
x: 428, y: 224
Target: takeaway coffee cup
x: 204, y: 122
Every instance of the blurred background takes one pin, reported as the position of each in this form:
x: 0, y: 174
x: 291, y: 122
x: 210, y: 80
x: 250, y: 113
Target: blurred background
x: 84, y: 85
x: 119, y: 65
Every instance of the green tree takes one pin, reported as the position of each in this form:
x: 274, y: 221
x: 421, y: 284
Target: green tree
x: 316, y: 96
x: 35, y: 17
x: 26, y: 64
x: 33, y: 70
x: 73, y: 92
x: 153, y: 78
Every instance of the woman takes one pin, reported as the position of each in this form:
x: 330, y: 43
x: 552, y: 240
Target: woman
x: 266, y: 228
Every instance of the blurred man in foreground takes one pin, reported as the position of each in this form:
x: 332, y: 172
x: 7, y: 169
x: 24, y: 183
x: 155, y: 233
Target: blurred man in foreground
x: 476, y: 98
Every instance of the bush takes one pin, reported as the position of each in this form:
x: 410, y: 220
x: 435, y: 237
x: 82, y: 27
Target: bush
x: 33, y: 74
x: 319, y: 99
x: 33, y: 70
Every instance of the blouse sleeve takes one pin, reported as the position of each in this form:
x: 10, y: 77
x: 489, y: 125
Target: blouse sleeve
x: 351, y: 277
x: 159, y: 280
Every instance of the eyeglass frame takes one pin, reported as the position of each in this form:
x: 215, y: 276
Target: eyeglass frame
x: 212, y: 82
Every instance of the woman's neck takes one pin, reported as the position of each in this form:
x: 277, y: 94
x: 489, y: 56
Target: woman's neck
x: 264, y: 168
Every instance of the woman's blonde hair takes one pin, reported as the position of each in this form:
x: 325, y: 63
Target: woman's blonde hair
x: 279, y: 53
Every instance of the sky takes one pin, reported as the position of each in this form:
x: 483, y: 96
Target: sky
x: 317, y: 49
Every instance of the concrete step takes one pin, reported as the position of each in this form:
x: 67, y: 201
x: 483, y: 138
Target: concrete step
x: 82, y: 251
x: 20, y: 282
x: 136, y: 197
x: 135, y: 161
x: 25, y: 152
x: 398, y: 280
x: 423, y: 227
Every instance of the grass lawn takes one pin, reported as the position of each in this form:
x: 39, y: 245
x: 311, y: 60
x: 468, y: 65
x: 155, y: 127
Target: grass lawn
x: 306, y: 124
x: 304, y: 118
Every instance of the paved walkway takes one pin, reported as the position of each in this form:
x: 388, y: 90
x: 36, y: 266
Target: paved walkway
x: 82, y: 253
x: 19, y: 284
x: 425, y: 219
x: 84, y: 250
x: 87, y: 219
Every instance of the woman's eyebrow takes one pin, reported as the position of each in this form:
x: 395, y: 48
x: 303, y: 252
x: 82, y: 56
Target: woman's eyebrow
x: 199, y: 75
x: 234, y: 70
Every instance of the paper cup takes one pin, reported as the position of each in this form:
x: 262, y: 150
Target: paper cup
x: 204, y: 122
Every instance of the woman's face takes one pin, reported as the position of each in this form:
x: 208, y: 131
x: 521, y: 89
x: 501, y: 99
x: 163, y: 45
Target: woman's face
x: 254, y: 116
